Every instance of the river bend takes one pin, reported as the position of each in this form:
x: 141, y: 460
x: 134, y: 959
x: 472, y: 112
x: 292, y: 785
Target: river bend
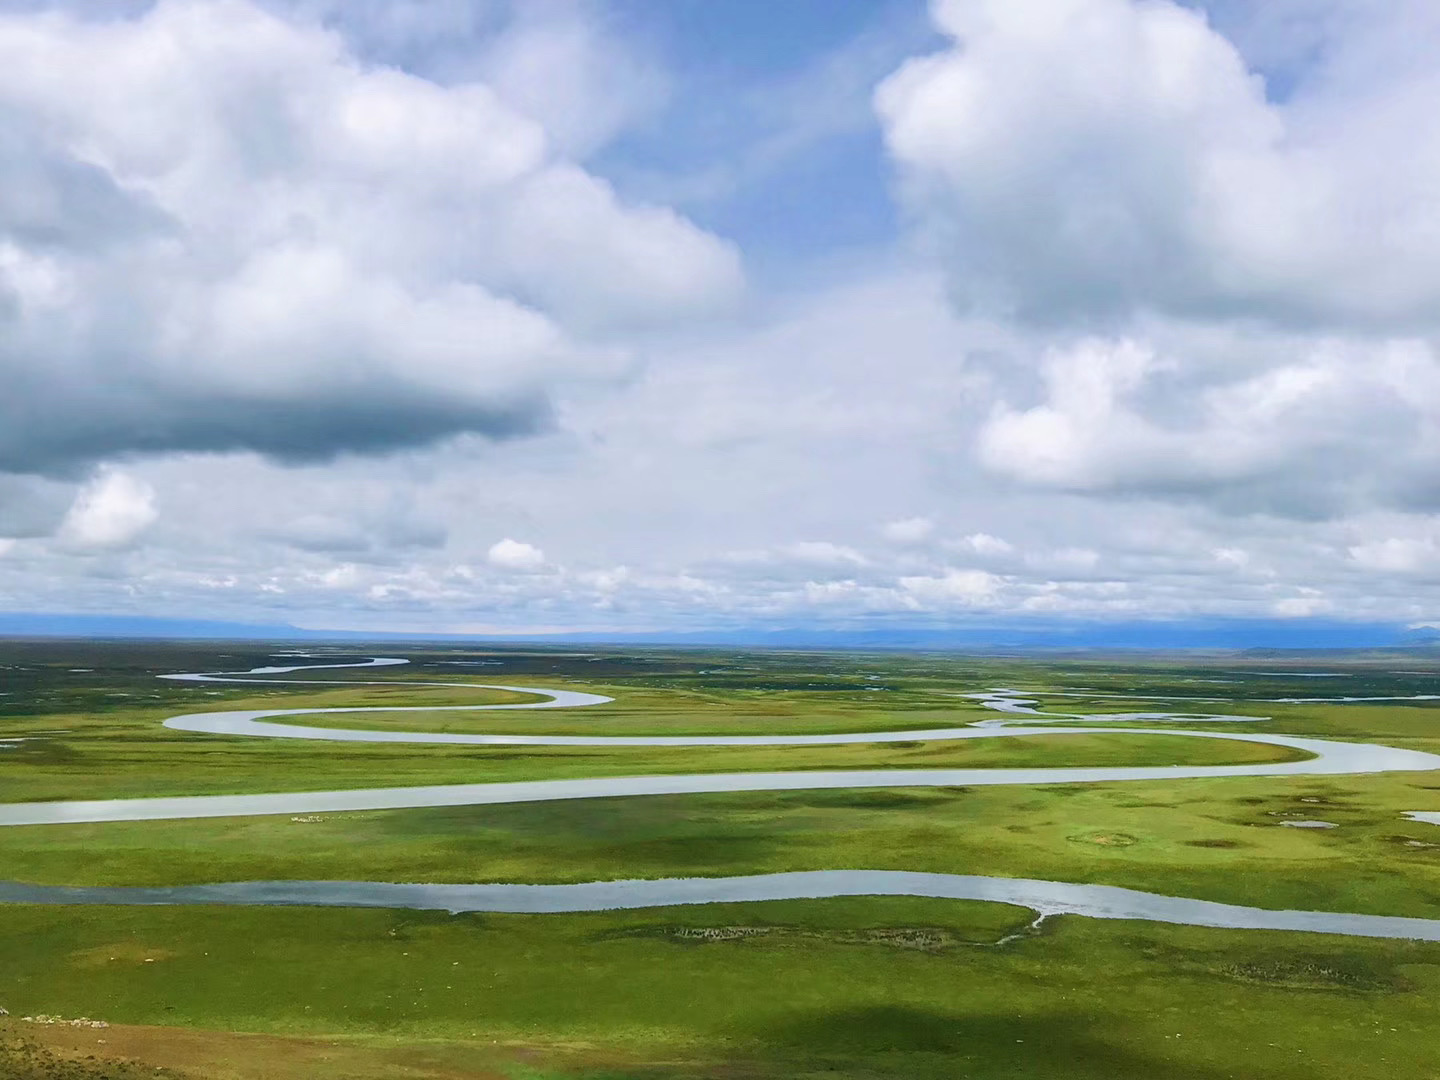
x: 1044, y: 897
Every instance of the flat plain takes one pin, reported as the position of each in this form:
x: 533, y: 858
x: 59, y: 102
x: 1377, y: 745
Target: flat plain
x: 857, y: 987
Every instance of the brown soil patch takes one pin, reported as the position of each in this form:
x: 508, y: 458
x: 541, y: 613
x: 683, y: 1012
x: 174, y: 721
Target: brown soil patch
x: 128, y: 953
x: 141, y: 1052
x: 220, y: 1055
x: 1105, y: 839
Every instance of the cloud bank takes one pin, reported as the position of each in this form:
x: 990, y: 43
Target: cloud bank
x: 354, y: 314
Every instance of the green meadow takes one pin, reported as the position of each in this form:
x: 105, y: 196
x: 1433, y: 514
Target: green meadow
x: 857, y: 988
x: 854, y: 988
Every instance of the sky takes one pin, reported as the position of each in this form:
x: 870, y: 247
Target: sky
x: 529, y: 316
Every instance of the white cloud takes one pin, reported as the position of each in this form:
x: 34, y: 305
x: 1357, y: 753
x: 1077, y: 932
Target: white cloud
x: 1235, y: 558
x: 110, y: 512
x: 954, y: 588
x: 561, y: 64
x: 908, y: 530
x: 709, y: 453
x: 343, y: 576
x: 254, y: 240
x: 1313, y: 427
x: 311, y: 228
x: 1082, y: 436
x: 824, y: 553
x: 1309, y: 602
x: 984, y: 544
x: 1081, y: 160
x: 515, y: 555
x: 1401, y: 554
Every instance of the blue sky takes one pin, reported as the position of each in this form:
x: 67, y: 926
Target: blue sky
x: 775, y: 114
x: 621, y: 316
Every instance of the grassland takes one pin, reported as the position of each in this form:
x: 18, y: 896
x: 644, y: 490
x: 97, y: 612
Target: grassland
x: 1212, y: 839
x: 199, y: 765
x: 115, y: 747
x: 859, y: 988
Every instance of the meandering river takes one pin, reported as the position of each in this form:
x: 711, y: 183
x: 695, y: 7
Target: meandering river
x: 1044, y: 897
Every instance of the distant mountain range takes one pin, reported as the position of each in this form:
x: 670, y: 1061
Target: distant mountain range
x: 1229, y: 634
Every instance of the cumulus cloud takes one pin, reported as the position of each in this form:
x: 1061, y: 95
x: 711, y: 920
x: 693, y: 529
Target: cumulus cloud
x: 515, y: 555
x: 1082, y: 160
x: 1224, y: 294
x: 1167, y: 349
x: 560, y: 62
x: 1081, y: 436
x: 1315, y: 428
x: 1405, y: 545
x: 110, y: 512
x: 984, y: 544
x: 1232, y: 557
x: 251, y: 239
x: 1402, y: 553
x: 953, y: 588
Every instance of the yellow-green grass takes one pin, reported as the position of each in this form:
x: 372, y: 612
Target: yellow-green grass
x: 125, y: 752
x: 612, y: 719
x: 674, y: 709
x: 635, y: 710
x: 179, y: 763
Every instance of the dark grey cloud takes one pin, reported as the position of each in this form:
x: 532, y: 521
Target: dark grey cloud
x: 89, y: 425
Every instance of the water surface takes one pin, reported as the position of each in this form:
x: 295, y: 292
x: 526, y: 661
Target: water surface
x: 1046, y: 898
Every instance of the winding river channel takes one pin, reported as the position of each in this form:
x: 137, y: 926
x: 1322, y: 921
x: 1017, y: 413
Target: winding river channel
x: 1044, y: 897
